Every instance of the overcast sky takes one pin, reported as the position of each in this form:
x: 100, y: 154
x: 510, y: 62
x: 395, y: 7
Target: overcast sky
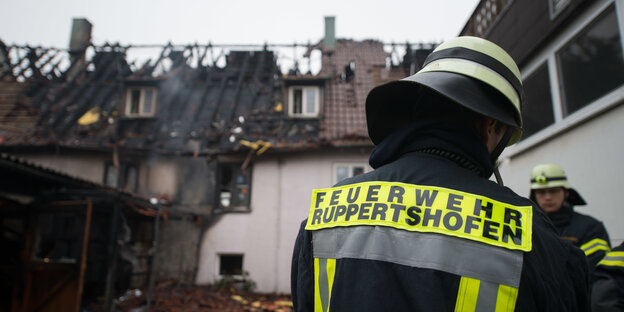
x: 48, y: 22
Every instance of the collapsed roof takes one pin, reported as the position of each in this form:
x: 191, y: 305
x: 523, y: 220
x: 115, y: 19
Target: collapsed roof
x: 79, y: 98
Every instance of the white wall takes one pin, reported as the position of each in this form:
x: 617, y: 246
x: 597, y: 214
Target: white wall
x: 592, y: 155
x: 87, y: 167
x: 280, y: 199
x: 157, y: 175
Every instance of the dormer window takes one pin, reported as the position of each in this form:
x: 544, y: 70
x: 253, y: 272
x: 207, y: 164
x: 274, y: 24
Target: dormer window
x: 304, y: 101
x: 141, y: 102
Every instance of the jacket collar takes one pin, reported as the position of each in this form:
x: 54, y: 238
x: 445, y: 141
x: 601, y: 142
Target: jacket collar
x: 455, y: 143
x: 563, y: 216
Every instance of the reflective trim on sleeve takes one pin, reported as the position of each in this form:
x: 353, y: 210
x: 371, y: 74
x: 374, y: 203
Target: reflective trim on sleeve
x: 481, y: 296
x: 594, y: 245
x: 324, y: 271
x: 614, y: 259
x: 424, y: 250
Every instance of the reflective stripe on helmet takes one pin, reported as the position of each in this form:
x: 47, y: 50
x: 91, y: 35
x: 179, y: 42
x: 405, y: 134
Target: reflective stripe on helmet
x: 485, y: 47
x: 484, y: 59
x: 479, y: 72
x: 547, y: 176
x: 542, y: 179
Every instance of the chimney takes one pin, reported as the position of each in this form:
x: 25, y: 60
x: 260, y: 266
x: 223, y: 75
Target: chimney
x: 78, y: 44
x: 329, y: 41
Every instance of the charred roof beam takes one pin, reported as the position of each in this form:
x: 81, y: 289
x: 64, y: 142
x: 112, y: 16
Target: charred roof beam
x: 239, y: 82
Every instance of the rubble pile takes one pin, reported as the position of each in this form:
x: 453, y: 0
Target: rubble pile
x: 169, y: 296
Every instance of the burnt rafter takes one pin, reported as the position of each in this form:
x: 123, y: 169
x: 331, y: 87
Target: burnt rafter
x: 24, y: 63
x: 206, y: 97
x: 239, y: 83
x: 83, y: 92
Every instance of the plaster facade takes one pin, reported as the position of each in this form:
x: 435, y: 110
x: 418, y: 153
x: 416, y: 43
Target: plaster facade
x: 281, y: 190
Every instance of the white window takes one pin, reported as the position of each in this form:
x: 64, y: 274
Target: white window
x: 304, y: 101
x: 141, y: 102
x: 348, y: 170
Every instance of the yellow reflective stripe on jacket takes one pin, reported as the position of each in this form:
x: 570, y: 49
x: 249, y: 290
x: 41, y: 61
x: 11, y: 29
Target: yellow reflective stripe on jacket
x: 506, y: 300
x: 613, y: 258
x: 467, y: 295
x: 423, y: 209
x: 481, y: 296
x: 595, y: 245
x: 324, y: 271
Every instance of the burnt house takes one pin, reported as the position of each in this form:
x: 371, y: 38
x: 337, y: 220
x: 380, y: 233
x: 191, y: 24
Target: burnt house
x: 334, y: 98
x: 221, y: 139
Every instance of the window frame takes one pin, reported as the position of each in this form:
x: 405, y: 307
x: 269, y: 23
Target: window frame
x: 140, y: 113
x: 219, y: 262
x: 304, y: 114
x: 350, y: 165
x: 547, y: 54
x: 543, y: 65
x: 122, y: 176
x: 218, y: 207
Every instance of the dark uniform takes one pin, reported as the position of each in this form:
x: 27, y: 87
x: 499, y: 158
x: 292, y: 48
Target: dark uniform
x: 427, y: 230
x: 608, y: 286
x: 551, y: 277
x: 583, y: 231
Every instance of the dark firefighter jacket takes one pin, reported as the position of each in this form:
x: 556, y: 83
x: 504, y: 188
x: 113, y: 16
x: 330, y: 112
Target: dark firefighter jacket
x: 608, y: 285
x: 381, y: 268
x: 583, y: 231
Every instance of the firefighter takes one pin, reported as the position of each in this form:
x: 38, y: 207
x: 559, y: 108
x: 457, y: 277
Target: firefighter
x: 427, y: 230
x: 554, y: 195
x: 608, y: 286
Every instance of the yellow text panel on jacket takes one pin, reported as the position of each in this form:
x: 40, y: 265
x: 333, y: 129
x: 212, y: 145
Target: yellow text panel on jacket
x: 423, y: 209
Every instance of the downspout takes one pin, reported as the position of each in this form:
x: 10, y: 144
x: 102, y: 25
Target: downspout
x: 109, y: 305
x: 150, y: 292
x: 278, y: 241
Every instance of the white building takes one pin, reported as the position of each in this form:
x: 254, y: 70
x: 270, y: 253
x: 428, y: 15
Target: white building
x: 570, y: 56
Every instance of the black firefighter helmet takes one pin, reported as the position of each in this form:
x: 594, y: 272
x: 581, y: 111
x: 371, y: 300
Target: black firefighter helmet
x: 470, y: 71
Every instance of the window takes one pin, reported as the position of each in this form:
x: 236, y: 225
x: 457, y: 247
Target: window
x: 140, y: 102
x: 127, y: 180
x: 111, y: 175
x: 56, y: 239
x: 234, y: 184
x: 230, y: 264
x: 537, y: 111
x: 591, y: 64
x: 347, y: 170
x: 303, y: 102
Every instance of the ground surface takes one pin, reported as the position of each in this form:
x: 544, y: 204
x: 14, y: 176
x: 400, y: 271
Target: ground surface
x: 170, y: 296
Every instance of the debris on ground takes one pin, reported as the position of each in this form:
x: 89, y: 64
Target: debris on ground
x: 170, y: 296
